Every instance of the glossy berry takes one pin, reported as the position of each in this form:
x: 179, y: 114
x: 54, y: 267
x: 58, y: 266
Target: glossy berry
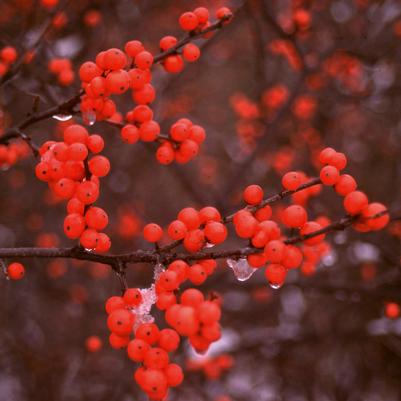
x: 137, y: 349
x: 291, y: 181
x: 329, y: 175
x: 345, y: 184
x: 169, y: 340
x: 294, y: 216
x: 253, y: 194
x: 215, y: 232
x: 355, y: 202
x: 148, y: 332
x: 120, y: 322
x: 177, y: 230
x: 191, y: 52
x: 152, y: 232
x: 74, y: 225
x: 188, y: 21
x: 132, y: 297
x: 114, y: 303
x: 174, y: 375
x: 375, y: 216
x: 275, y: 275
x: 15, y: 271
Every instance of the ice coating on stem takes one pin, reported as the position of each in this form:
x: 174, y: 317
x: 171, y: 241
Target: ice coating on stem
x: 241, y: 268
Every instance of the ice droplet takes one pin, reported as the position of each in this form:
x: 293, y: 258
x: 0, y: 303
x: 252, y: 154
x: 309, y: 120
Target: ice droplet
x: 209, y: 245
x: 89, y: 117
x: 275, y: 286
x: 241, y: 268
x: 159, y: 268
x: 62, y: 117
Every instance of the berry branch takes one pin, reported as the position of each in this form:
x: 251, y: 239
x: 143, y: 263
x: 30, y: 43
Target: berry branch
x: 162, y: 254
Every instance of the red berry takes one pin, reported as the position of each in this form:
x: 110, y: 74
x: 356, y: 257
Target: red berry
x: 169, y: 340
x: 148, y: 332
x: 188, y: 21
x: 74, y: 225
x: 215, y: 232
x: 309, y: 229
x: 137, y: 349
x: 329, y: 175
x: 355, y: 202
x: 177, y: 230
x: 130, y: 133
x: 274, y: 251
x: 114, y: 303
x: 15, y: 271
x: 191, y: 52
x: 132, y: 296
x: 294, y: 216
x: 345, y: 184
x: 372, y: 210
x: 120, y: 322
x: 253, y: 194
x: 292, y: 180
x: 275, y: 275
x: 152, y: 232
x: 99, y: 166
x: 174, y: 375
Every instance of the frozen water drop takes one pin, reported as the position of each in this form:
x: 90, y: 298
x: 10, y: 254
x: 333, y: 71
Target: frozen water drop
x: 62, y: 117
x: 89, y: 117
x: 275, y: 286
x: 209, y: 245
x: 241, y: 268
x: 159, y: 268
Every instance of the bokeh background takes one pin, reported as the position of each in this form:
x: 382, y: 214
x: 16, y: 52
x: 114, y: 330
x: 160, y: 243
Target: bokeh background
x: 284, y: 79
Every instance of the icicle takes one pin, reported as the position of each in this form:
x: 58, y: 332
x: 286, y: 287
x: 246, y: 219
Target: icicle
x: 62, y: 117
x: 276, y: 286
x: 241, y: 268
x: 149, y: 298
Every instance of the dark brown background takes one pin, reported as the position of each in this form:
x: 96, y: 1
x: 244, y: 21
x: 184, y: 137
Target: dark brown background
x: 318, y: 338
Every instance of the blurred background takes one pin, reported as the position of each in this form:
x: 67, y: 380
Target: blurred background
x: 283, y: 80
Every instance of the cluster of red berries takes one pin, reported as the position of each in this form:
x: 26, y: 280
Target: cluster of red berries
x: 121, y: 316
x: 195, y: 228
x: 182, y: 145
x: 71, y: 175
x: 372, y: 216
x: 8, y: 56
x: 265, y: 233
x: 150, y: 345
x: 62, y: 69
x: 194, y: 22
x: 196, y: 318
x: 150, y: 348
x: 115, y: 72
x: 10, y: 154
x: 192, y: 316
x: 292, y: 180
x: 176, y: 274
